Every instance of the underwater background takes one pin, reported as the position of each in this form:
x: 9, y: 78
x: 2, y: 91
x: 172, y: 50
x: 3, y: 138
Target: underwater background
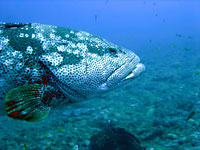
x: 161, y: 107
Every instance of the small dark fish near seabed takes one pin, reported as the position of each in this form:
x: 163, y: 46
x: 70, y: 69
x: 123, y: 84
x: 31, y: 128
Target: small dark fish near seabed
x: 189, y: 116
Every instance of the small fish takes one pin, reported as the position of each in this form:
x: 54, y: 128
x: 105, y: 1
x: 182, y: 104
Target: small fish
x: 197, y: 73
x: 164, y: 20
x: 156, y: 14
x: 179, y: 35
x: 25, y: 146
x: 190, y: 116
x: 95, y: 18
x: 186, y: 49
x: 106, y: 1
x: 62, y: 130
x: 177, y: 67
x: 157, y: 51
x: 174, y: 46
x: 129, y: 39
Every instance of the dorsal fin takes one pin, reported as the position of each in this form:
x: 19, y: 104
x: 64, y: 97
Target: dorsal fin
x: 14, y: 25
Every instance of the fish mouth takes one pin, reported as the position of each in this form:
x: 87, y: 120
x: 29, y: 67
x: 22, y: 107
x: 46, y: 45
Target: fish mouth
x: 135, y: 72
x: 129, y: 70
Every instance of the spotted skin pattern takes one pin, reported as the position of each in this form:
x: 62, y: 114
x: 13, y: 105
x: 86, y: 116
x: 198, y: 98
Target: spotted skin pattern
x: 75, y: 63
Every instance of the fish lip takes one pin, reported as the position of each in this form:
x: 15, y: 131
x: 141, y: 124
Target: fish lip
x: 139, y: 68
x: 121, y: 73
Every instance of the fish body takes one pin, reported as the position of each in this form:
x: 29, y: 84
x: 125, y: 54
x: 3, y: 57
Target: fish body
x: 40, y: 62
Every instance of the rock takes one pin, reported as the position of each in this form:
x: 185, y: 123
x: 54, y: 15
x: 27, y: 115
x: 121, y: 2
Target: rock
x: 75, y: 147
x: 114, y: 139
x: 171, y: 136
x: 46, y: 136
x: 193, y: 148
x: 153, y: 135
x: 182, y: 140
x: 5, y: 139
x: 195, y: 139
x: 80, y: 111
x: 195, y: 143
x: 177, y: 142
x: 196, y: 135
x: 71, y: 144
x: 86, y: 142
x: 171, y: 144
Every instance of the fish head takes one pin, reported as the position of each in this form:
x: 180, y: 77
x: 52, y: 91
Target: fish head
x: 87, y: 65
x: 121, y: 65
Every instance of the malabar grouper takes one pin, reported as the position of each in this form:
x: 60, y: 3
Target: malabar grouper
x: 41, y: 63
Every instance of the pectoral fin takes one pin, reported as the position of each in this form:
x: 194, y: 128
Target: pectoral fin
x: 30, y: 102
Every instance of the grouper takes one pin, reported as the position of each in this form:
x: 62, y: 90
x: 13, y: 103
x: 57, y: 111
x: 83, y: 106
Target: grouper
x: 42, y: 66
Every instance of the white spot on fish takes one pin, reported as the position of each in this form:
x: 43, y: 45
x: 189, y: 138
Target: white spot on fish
x: 19, y: 66
x: 35, y: 72
x: 26, y: 35
x: 67, y: 35
x: 76, y: 52
x: 78, y: 34
x: 33, y: 36
x: 66, y: 70
x: 29, y: 50
x: 62, y: 48
x: 64, y: 41
x: 52, y: 35
x: 21, y: 35
x: 72, y: 32
x: 93, y: 55
x: 69, y: 50
x: 83, y: 61
x: 3, y: 42
x: 15, y: 53
x: 57, y: 38
x: 54, y: 58
x: 52, y: 30
x: 27, y: 69
x: 40, y: 36
x: 8, y: 62
x: 81, y: 46
x: 73, y: 45
x: 82, y: 35
x: 20, y: 56
x: 45, y: 45
x: 83, y: 49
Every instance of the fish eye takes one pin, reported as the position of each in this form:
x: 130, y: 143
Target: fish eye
x: 112, y: 50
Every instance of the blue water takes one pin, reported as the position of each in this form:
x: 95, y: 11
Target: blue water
x: 164, y: 34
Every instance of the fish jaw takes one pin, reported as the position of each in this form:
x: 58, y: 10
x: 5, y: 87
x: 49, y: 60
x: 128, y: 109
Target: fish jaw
x: 136, y: 72
x: 128, y: 71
